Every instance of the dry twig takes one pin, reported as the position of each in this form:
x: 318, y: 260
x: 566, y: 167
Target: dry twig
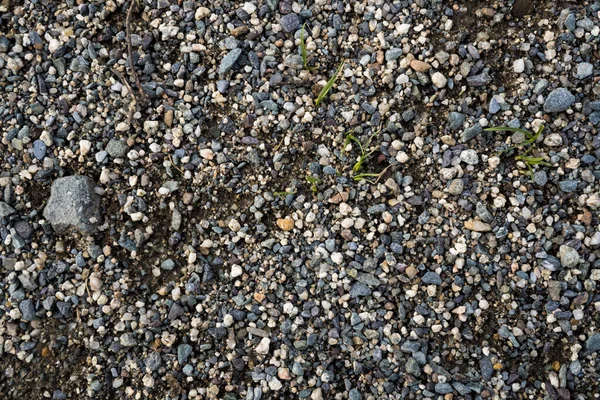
x: 129, y: 52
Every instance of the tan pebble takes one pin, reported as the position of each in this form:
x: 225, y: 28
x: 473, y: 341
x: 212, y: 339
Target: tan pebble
x: 420, y: 66
x: 286, y: 224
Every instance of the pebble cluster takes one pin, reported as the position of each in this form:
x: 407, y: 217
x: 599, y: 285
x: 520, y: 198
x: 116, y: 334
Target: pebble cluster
x: 198, y: 228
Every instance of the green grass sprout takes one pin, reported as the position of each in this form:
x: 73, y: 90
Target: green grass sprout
x: 527, y: 147
x: 329, y: 84
x: 303, y: 50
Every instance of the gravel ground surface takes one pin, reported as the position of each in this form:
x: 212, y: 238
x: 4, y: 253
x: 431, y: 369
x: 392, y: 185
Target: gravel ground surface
x: 180, y: 218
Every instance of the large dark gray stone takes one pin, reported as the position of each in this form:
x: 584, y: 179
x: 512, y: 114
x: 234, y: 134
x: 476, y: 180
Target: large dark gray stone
x: 73, y: 204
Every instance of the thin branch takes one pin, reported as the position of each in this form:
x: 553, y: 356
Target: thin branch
x: 129, y: 52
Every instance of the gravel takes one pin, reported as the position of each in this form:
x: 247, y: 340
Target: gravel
x: 180, y: 219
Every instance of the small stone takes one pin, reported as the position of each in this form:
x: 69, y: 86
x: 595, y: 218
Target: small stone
x: 477, y: 226
x: 393, y: 54
x: 263, y: 346
x: 431, y: 278
x: 455, y: 120
x: 553, y: 140
x: 569, y: 257
x: 439, y: 80
x: 153, y: 361
x: 471, y: 132
x: 73, y: 203
x: 359, y: 290
x: 420, y: 66
x: 443, y: 388
x: 354, y: 394
x: 5, y: 210
x: 116, y: 148
x: 39, y: 149
x: 584, y: 70
x: 540, y: 177
x: 183, y: 352
x: 470, y: 157
x: 456, y: 187
x: 558, y: 100
x: 27, y: 309
x: 229, y: 60
x: 479, y: 80
x: 167, y: 265
x: 290, y: 22
x: 519, y: 66
x: 593, y: 343
x: 286, y: 224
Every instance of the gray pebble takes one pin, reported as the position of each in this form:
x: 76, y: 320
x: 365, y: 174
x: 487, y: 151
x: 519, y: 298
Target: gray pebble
x: 558, y: 100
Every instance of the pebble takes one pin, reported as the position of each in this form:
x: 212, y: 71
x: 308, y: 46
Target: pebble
x: 558, y: 100
x: 229, y: 60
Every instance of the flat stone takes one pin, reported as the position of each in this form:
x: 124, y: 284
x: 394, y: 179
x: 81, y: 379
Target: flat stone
x: 477, y: 226
x: 116, y: 148
x: 593, y: 343
x: 558, y: 100
x: 229, y: 60
x: 431, y: 278
x: 5, y: 210
x: 73, y: 204
x: 290, y: 22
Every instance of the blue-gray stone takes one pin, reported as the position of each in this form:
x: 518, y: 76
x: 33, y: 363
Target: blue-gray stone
x: 153, y: 361
x: 376, y: 209
x: 540, y: 177
x: 593, y: 343
x: 354, y: 394
x: 443, y: 388
x: 188, y: 369
x: 595, y: 117
x: 460, y: 388
x: 229, y: 60
x: 359, y: 289
x: 471, y: 132
x: 290, y: 22
x: 39, y: 149
x: 393, y: 54
x: 479, y: 80
x: 27, y: 309
x: 540, y: 86
x: 222, y: 86
x: 494, y: 106
x: 329, y: 170
x: 5, y: 210
x: 570, y: 22
x: 431, y: 278
x: 455, y: 120
x: 594, y: 105
x: 167, y: 265
x: 486, y: 367
x: 584, y: 70
x: 183, y: 352
x: 558, y: 100
x: 568, y: 186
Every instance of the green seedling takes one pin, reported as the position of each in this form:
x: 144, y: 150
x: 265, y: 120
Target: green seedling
x: 303, y: 51
x: 528, y: 146
x: 365, y: 177
x: 329, y: 85
x: 364, y: 150
x: 314, y: 182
